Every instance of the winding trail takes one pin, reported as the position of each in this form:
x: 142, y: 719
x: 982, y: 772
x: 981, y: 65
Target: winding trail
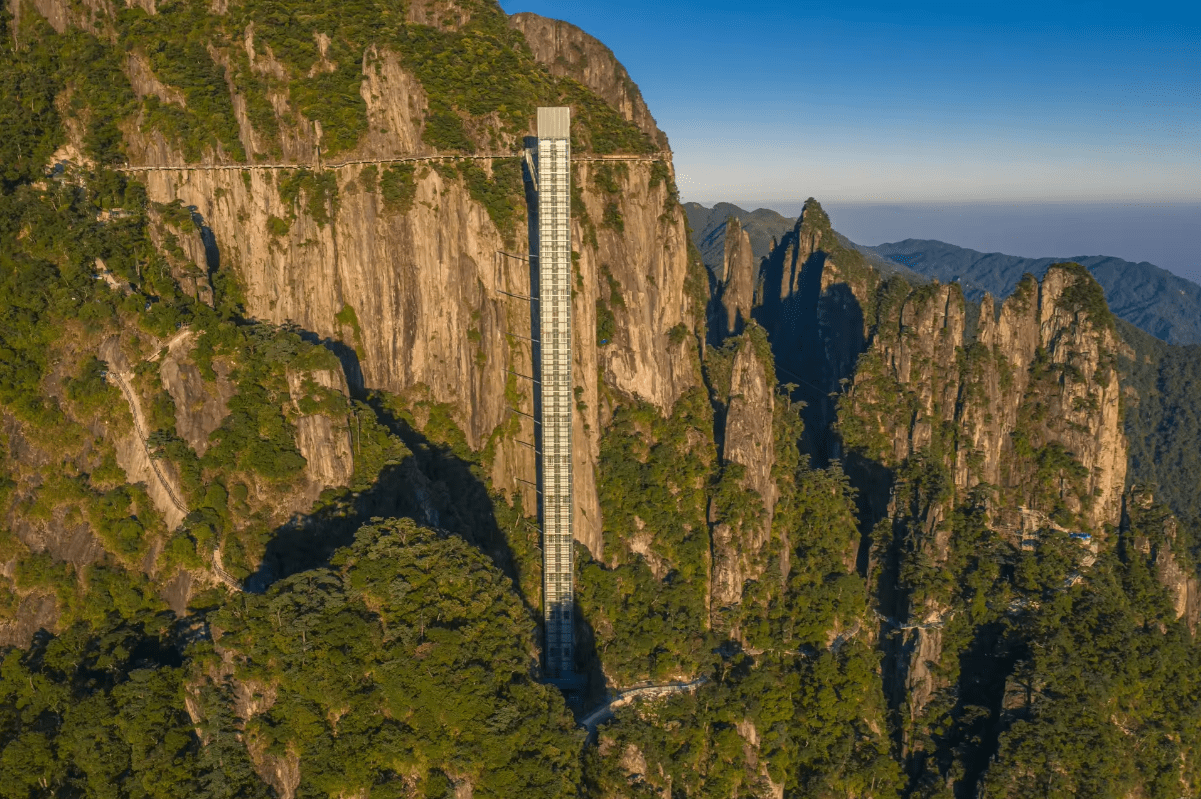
x: 623, y: 698
x: 222, y: 574
x: 135, y: 408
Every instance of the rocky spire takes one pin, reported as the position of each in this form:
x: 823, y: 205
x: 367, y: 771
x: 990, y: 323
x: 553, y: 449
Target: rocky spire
x: 738, y: 290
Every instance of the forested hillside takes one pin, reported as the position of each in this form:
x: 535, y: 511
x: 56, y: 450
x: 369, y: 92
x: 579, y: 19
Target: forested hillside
x: 1163, y: 419
x: 263, y: 524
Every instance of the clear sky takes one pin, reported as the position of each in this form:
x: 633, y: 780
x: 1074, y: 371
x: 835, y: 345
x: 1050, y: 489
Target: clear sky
x: 917, y: 103
x: 913, y: 101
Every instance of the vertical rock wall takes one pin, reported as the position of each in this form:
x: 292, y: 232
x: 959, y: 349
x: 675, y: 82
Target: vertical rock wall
x: 1043, y: 370
x: 567, y: 51
x: 748, y: 441
x: 738, y: 291
x: 411, y: 298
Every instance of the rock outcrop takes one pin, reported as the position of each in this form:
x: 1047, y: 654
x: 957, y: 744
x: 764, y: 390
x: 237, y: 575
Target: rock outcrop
x: 200, y: 405
x: 1150, y: 531
x: 182, y: 243
x: 747, y: 443
x: 1040, y: 375
x: 404, y: 271
x: 134, y: 455
x: 1023, y: 404
x: 322, y: 438
x: 738, y: 290
x: 816, y: 302
x: 748, y: 439
x: 569, y: 52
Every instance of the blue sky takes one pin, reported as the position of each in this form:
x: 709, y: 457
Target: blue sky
x: 910, y: 102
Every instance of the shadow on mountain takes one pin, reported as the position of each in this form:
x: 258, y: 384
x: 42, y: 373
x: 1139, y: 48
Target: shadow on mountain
x: 873, y: 490
x: 346, y: 356
x: 816, y: 336
x: 980, y: 714
x: 431, y: 485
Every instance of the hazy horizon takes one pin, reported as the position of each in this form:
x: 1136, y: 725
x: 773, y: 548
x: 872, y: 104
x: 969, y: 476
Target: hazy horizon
x: 1163, y: 234
x: 878, y: 104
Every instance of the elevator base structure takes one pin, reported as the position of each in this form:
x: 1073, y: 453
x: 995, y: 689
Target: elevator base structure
x: 553, y: 185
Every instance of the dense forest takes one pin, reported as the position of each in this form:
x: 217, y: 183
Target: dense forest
x: 873, y: 534
x: 1163, y: 420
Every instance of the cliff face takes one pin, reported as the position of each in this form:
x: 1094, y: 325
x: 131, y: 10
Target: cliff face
x: 749, y: 445
x: 567, y: 51
x: 816, y: 304
x: 1151, y: 533
x: 405, y: 271
x: 411, y: 295
x: 738, y: 289
x: 1039, y: 376
x: 952, y: 420
x: 1011, y: 417
x: 120, y: 494
x: 200, y: 405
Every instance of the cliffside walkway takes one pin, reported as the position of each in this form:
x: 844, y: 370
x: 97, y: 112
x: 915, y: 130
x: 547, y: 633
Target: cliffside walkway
x: 623, y: 698
x: 222, y: 574
x: 216, y: 167
x: 135, y: 409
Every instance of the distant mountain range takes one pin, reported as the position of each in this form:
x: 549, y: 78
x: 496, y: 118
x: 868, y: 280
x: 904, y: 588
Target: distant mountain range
x: 764, y: 227
x: 1152, y: 299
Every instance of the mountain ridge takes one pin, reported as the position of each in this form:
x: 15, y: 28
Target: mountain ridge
x: 264, y: 523
x: 1153, y: 299
x: 764, y: 227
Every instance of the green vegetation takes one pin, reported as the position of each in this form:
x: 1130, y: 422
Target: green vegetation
x: 501, y: 194
x: 109, y: 708
x: 1130, y: 724
x: 650, y: 618
x: 610, y: 298
x: 794, y: 721
x: 852, y: 267
x: 319, y: 190
x: 1084, y: 295
x: 278, y: 227
x: 481, y: 79
x: 898, y: 629
x: 397, y: 185
x: 799, y: 714
x: 401, y: 597
x: 1163, y: 420
x: 607, y: 179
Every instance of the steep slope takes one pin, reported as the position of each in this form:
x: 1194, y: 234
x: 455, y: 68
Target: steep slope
x: 987, y: 445
x: 1018, y: 423
x: 1161, y: 386
x: 402, y: 266
x: 1153, y: 299
x: 396, y: 269
x: 817, y: 302
x: 569, y: 52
